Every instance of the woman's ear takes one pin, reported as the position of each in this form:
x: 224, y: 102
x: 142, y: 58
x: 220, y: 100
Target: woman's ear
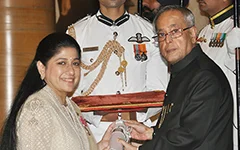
x: 41, y: 69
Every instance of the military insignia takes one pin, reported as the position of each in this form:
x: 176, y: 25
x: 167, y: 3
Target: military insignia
x: 138, y: 38
x: 217, y: 40
x: 90, y: 49
x: 140, y: 52
x: 165, y: 110
x: 202, y: 39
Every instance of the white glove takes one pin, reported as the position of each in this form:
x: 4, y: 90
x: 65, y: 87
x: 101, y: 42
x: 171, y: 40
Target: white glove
x: 233, y: 40
x: 91, y: 118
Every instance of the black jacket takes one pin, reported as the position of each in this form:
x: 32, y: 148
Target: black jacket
x: 198, y: 108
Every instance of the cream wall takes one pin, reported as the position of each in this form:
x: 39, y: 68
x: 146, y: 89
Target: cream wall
x: 201, y: 20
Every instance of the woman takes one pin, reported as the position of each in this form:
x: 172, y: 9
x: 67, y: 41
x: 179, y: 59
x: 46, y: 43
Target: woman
x: 42, y: 116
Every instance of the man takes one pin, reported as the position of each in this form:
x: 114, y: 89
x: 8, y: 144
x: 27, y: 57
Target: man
x: 197, y: 111
x: 118, y: 56
x: 150, y: 7
x: 212, y: 41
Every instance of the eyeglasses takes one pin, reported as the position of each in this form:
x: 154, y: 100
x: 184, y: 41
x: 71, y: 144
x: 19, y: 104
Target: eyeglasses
x: 175, y: 33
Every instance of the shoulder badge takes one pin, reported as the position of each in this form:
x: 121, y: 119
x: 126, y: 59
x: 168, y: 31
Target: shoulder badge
x: 83, y: 19
x: 142, y: 17
x: 71, y: 31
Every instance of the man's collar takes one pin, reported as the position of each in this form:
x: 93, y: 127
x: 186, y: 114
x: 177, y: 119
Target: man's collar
x: 221, y: 16
x: 195, y: 52
x: 110, y: 22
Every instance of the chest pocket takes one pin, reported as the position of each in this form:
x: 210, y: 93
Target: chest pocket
x: 89, y: 57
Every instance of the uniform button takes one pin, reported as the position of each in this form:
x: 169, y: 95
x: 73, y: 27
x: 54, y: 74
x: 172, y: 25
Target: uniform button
x: 118, y: 92
x: 91, y: 60
x: 81, y: 91
x: 117, y: 73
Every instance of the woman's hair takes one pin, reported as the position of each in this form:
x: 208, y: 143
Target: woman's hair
x: 187, y: 14
x: 32, y: 83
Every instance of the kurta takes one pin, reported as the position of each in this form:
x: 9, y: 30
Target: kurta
x: 45, y: 124
x: 198, y: 108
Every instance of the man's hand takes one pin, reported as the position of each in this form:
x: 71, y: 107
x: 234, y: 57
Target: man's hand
x: 139, y: 130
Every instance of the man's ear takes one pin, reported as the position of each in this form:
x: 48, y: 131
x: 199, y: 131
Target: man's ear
x: 41, y: 69
x: 193, y: 34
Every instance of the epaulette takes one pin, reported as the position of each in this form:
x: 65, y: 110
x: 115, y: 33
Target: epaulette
x: 71, y: 30
x: 83, y: 19
x: 144, y: 18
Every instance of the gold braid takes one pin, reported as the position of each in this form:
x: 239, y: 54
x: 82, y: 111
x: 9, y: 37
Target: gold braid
x: 108, y: 49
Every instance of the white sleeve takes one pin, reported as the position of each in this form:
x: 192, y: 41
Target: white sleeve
x: 232, y: 41
x: 156, y: 79
x: 91, y: 118
x: 157, y: 70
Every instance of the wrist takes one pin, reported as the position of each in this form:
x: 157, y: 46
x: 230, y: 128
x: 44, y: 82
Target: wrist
x: 100, y: 145
x: 150, y: 133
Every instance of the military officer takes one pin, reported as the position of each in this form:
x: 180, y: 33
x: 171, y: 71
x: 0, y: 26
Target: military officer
x: 212, y: 39
x: 118, y: 56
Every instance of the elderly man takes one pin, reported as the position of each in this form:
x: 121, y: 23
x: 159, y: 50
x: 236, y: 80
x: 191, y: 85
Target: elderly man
x: 198, y: 106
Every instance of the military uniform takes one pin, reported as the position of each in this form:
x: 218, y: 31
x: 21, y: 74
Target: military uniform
x: 198, y: 108
x: 212, y: 40
x: 131, y: 61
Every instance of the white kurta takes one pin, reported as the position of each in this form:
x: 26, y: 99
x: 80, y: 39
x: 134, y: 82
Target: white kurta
x: 141, y: 76
x: 224, y: 57
x: 45, y: 124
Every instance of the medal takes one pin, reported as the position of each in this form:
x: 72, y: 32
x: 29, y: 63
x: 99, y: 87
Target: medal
x: 137, y: 57
x: 217, y: 40
x: 143, y: 57
x: 222, y: 39
x: 140, y: 52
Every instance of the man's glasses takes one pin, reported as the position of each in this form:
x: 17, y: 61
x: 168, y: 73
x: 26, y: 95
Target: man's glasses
x: 175, y: 33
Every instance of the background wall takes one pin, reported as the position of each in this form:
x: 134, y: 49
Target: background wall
x: 23, y: 23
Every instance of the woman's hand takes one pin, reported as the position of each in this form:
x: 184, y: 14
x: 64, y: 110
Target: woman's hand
x: 127, y: 146
x: 104, y: 143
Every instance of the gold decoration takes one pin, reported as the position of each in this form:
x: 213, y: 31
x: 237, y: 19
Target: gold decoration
x: 112, y: 46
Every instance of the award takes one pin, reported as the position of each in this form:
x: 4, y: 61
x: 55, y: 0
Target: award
x: 120, y: 131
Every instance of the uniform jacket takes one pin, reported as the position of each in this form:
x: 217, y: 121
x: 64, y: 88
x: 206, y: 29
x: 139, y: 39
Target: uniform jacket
x: 93, y: 32
x: 198, y: 108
